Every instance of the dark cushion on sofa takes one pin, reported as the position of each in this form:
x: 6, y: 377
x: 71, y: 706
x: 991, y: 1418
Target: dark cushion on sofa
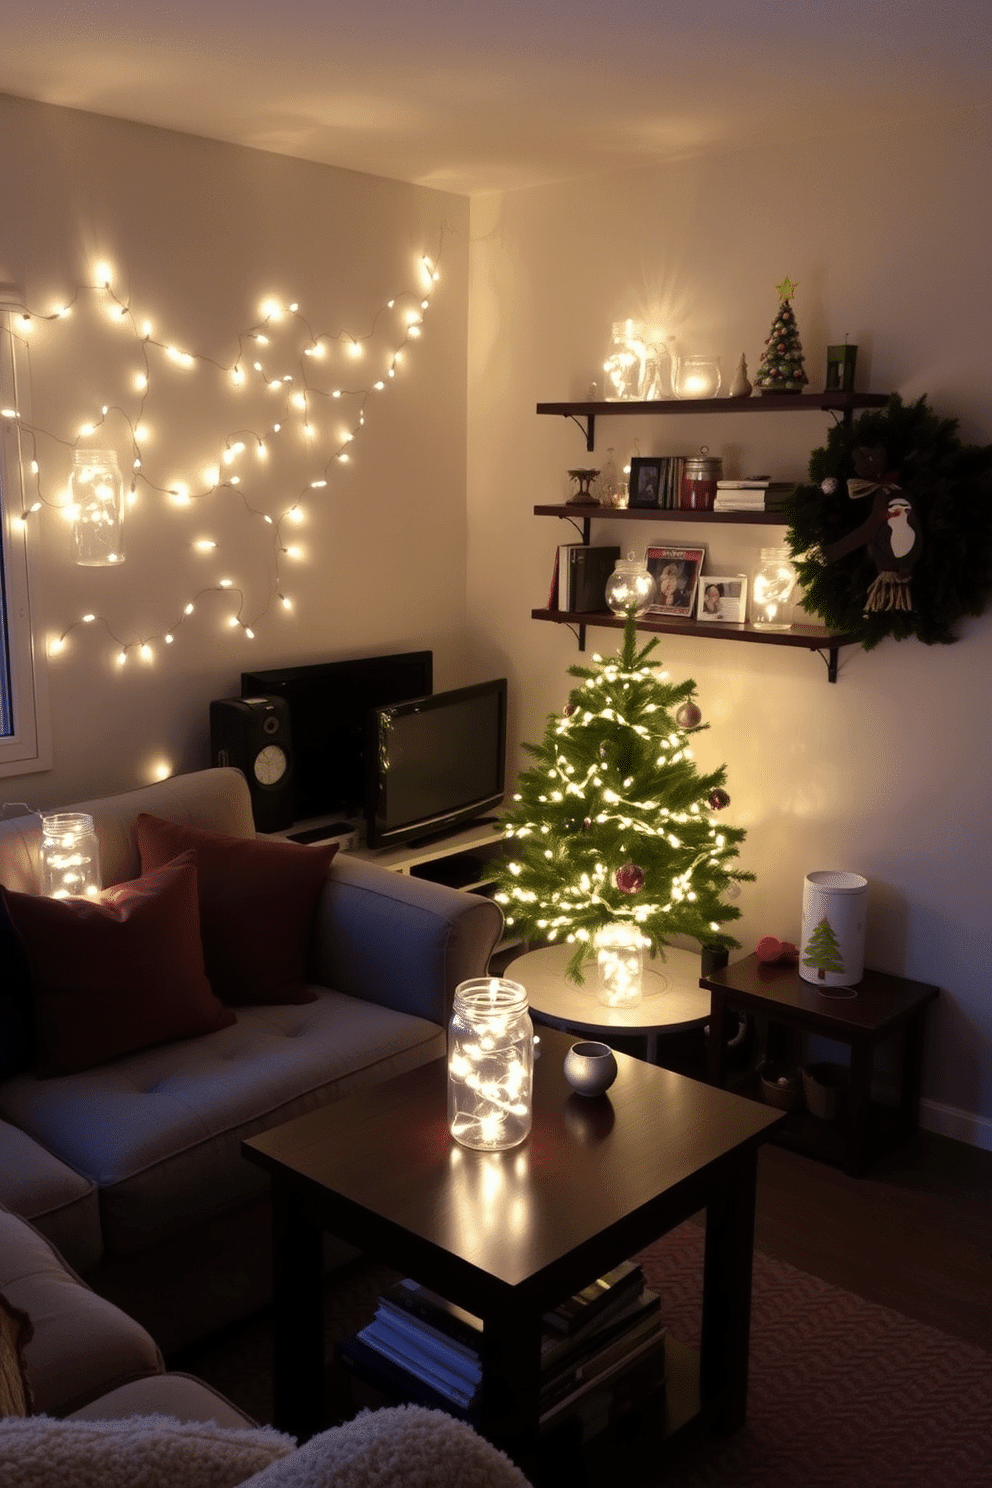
x: 257, y: 901
x: 117, y: 974
x: 16, y: 1010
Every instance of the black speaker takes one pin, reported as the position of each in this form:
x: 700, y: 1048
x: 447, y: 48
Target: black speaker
x: 253, y: 735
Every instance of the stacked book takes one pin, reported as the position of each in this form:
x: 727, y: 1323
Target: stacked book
x: 600, y: 1349
x: 581, y: 572
x: 757, y: 494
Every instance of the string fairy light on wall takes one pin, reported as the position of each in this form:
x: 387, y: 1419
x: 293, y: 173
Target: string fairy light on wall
x: 312, y: 411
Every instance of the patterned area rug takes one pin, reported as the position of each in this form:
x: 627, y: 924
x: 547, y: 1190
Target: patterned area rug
x: 843, y: 1393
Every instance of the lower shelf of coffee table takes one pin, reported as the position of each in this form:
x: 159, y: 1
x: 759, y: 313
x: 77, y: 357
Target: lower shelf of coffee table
x: 673, y: 1403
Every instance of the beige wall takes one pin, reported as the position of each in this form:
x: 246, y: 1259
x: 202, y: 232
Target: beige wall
x: 889, y: 237
x: 199, y: 234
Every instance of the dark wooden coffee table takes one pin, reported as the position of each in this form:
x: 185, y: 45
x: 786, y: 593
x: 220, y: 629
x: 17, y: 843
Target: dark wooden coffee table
x: 510, y: 1235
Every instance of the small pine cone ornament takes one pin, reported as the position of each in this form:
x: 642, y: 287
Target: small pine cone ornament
x: 630, y: 878
x: 688, y: 715
x: 717, y: 799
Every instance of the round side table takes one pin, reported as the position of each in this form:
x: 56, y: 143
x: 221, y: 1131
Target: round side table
x: 673, y: 1000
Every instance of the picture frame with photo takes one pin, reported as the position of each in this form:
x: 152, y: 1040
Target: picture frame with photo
x: 644, y: 486
x: 722, y: 598
x: 676, y: 575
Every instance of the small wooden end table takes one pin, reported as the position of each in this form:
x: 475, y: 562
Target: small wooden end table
x: 862, y: 1017
x: 510, y: 1235
x: 673, y: 1001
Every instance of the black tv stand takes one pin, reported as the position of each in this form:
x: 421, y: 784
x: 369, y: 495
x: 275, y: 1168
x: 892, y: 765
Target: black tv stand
x: 443, y: 835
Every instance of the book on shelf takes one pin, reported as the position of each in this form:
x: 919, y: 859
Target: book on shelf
x: 589, y: 569
x: 440, y: 1344
x: 752, y: 495
x: 558, y: 595
x: 580, y: 1309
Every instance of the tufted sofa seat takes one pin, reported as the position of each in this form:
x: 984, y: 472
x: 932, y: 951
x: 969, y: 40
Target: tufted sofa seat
x: 133, y: 1168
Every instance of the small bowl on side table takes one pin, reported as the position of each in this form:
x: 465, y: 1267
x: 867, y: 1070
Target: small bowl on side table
x: 590, y: 1067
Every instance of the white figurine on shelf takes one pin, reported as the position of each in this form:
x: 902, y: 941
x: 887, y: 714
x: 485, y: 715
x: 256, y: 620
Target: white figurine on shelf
x: 741, y: 386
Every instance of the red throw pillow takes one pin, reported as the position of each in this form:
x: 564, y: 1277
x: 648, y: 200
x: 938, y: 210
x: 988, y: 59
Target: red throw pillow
x: 119, y: 973
x: 257, y: 901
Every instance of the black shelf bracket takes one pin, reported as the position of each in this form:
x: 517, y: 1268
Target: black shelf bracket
x: 829, y: 659
x: 588, y: 429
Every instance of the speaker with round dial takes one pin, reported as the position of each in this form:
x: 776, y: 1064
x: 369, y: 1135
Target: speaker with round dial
x: 253, y: 735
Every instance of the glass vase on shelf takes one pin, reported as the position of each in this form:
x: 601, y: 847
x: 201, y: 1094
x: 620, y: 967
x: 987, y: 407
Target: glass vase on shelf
x: 697, y: 377
x: 625, y: 362
x: 773, y: 585
x: 630, y: 586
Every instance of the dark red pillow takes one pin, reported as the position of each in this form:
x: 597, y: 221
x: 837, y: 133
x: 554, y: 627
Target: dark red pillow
x: 257, y: 901
x: 117, y: 974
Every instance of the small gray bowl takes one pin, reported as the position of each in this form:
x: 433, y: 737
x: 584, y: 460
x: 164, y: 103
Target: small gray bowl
x: 590, y: 1068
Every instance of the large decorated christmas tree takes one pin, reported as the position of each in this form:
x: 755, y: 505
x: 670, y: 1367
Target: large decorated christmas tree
x: 613, y: 823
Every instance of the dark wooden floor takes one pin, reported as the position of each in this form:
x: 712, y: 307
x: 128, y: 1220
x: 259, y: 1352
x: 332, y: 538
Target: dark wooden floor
x: 914, y: 1234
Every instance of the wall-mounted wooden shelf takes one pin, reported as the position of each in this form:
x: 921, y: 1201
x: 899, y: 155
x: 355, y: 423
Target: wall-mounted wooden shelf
x: 829, y: 402
x: 808, y: 637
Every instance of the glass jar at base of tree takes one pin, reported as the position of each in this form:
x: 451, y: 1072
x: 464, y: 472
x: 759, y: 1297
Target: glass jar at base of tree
x: 620, y: 959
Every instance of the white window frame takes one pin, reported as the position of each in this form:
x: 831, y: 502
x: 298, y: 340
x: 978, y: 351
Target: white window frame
x: 28, y: 748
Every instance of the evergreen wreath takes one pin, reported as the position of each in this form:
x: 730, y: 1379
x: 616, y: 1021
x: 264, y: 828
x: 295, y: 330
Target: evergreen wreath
x: 908, y: 450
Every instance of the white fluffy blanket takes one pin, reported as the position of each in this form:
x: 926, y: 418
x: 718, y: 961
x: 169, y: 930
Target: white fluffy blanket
x: 138, y: 1452
x: 403, y: 1446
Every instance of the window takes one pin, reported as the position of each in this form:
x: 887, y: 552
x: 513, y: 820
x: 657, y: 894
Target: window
x: 24, y: 733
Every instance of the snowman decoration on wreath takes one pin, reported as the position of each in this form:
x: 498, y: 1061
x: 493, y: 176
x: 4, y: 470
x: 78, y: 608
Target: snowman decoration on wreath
x: 891, y: 531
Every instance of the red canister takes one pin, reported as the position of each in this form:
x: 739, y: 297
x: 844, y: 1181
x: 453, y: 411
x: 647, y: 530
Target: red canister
x: 699, y: 477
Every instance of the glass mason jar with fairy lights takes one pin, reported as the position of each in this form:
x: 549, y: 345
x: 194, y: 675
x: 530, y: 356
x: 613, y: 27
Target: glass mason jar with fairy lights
x: 490, y: 1064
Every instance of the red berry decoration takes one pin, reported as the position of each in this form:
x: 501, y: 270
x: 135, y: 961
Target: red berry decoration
x: 630, y: 878
x: 717, y: 799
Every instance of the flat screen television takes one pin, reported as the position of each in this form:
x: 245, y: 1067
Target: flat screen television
x: 435, y: 762
x: 329, y: 705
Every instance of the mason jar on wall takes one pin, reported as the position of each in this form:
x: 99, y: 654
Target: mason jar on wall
x: 97, y: 491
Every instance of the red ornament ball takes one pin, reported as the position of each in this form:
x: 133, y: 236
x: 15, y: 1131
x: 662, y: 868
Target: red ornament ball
x: 630, y: 878
x: 568, y: 710
x: 688, y: 715
x: 717, y: 799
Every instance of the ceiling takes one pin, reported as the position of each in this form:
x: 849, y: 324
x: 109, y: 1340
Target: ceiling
x: 482, y: 95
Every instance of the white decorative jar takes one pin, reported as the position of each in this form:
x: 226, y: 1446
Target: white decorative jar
x: 832, y: 946
x: 620, y: 960
x: 97, y: 491
x: 490, y: 1064
x: 70, y: 856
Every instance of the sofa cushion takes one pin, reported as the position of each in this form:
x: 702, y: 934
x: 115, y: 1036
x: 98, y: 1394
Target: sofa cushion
x: 153, y: 1450
x: 257, y: 901
x: 16, y: 1012
x: 15, y: 1335
x: 82, y: 1345
x: 117, y: 974
x: 160, y: 1131
x: 59, y: 1202
x: 172, y: 1394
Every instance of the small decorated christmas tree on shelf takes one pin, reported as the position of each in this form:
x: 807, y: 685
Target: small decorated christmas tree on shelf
x: 781, y: 369
x: 613, y: 824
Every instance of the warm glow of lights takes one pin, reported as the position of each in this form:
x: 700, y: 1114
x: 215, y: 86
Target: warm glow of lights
x: 281, y: 325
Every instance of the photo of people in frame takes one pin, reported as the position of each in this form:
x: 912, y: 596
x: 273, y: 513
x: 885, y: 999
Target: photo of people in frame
x: 645, y: 481
x: 676, y: 574
x: 722, y: 598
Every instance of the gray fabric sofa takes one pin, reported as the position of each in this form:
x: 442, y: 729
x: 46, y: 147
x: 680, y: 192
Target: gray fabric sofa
x: 133, y: 1169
